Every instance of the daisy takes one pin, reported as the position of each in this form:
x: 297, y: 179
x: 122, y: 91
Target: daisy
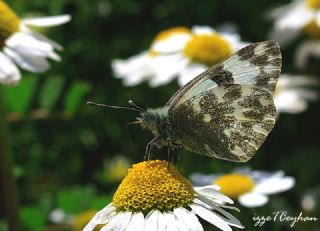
x: 250, y: 188
x: 300, y: 16
x: 293, y: 93
x: 155, y: 196
x: 21, y: 46
x: 178, y: 52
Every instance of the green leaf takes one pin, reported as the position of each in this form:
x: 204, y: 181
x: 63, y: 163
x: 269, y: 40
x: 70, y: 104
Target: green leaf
x: 18, y: 97
x: 3, y: 225
x: 50, y: 92
x: 75, y: 96
x: 33, y: 218
x: 75, y: 200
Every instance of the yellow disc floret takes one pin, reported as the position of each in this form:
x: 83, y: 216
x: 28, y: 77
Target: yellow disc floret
x: 153, y: 185
x: 208, y: 49
x: 172, y: 31
x: 314, y: 4
x: 234, y: 185
x: 9, y: 22
x: 312, y: 30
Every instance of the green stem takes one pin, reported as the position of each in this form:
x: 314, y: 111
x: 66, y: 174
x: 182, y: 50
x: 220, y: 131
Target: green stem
x: 7, y: 182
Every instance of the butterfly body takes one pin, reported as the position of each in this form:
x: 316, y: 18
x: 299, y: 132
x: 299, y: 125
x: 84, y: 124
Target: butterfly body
x: 226, y: 112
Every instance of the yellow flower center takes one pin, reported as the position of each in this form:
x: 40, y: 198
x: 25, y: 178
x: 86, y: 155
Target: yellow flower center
x: 153, y: 185
x: 208, y: 49
x: 314, y: 4
x: 80, y: 220
x: 9, y: 22
x: 312, y: 30
x: 172, y: 31
x: 234, y: 185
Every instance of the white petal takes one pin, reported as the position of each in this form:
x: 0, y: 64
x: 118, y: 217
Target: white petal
x: 118, y: 222
x: 133, y: 70
x: 200, y: 179
x: 40, y: 37
x: 290, y: 81
x: 170, y: 221
x: 9, y: 73
x: 212, y: 194
x: 234, y: 41
x: 210, y: 217
x: 174, y: 43
x: 47, y: 21
x: 284, y: 36
x: 167, y: 68
x: 101, y: 217
x: 190, y: 72
x: 259, y: 176
x: 36, y: 64
x: 161, y: 222
x: 282, y: 10
x: 294, y: 100
x: 227, y: 217
x: 297, y: 18
x: 253, y: 199
x: 202, y: 30
x: 188, y: 218
x: 136, y: 223
x: 210, y: 187
x: 306, y: 50
x: 275, y: 185
x: 26, y: 44
x: 151, y: 223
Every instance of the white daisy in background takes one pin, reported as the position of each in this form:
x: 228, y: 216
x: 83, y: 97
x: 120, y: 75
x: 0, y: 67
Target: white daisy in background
x: 178, y: 52
x: 293, y: 93
x: 300, y: 16
x: 21, y: 46
x: 155, y: 196
x: 250, y: 188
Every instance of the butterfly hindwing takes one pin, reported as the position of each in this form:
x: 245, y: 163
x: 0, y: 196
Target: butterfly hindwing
x: 228, y: 111
x: 258, y: 64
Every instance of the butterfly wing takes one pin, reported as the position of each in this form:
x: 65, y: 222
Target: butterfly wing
x: 227, y: 111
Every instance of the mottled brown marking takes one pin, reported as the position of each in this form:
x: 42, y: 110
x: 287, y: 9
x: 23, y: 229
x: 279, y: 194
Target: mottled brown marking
x: 199, y: 136
x: 273, y: 48
x: 233, y: 93
x: 259, y: 60
x: 247, y: 52
x: 221, y: 76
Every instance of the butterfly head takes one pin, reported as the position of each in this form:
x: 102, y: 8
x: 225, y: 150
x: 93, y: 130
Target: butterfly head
x: 155, y: 120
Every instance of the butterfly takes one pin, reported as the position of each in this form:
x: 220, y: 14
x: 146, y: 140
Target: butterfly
x: 225, y: 112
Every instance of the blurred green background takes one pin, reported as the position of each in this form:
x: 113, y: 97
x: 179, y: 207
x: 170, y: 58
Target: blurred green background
x: 62, y: 147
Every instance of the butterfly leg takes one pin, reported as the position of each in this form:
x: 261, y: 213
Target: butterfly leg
x: 149, y: 147
x: 170, y: 149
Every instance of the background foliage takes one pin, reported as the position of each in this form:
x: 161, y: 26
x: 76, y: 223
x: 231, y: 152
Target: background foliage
x: 61, y: 145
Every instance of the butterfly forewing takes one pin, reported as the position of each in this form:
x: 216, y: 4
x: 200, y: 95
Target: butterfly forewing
x: 228, y: 111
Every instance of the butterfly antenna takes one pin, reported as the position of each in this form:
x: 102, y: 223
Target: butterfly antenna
x: 115, y: 107
x: 136, y: 106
